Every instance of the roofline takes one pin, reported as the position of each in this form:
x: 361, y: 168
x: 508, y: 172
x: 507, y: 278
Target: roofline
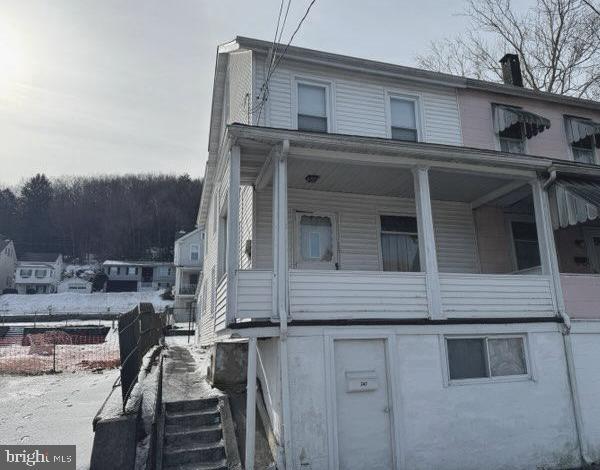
x: 412, y: 73
x: 189, y: 234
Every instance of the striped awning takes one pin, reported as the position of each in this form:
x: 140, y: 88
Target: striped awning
x: 575, y: 200
x: 579, y: 129
x: 507, y: 116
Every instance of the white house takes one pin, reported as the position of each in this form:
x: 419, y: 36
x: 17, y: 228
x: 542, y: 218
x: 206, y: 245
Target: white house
x: 132, y: 276
x: 412, y: 258
x: 38, y: 273
x: 188, y: 255
x: 8, y: 261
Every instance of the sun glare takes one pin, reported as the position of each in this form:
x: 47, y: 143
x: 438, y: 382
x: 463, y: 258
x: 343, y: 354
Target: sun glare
x: 13, y: 60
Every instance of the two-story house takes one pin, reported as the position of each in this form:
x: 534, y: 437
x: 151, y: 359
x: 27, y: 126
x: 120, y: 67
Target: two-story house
x: 188, y: 254
x: 38, y: 273
x: 8, y: 262
x: 132, y: 276
x: 390, y: 242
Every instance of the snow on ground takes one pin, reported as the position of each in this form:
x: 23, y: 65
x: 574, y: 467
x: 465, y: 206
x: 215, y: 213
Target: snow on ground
x: 72, y: 302
x: 53, y: 409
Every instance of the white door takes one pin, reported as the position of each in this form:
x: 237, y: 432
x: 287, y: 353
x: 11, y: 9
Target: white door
x: 363, y: 406
x: 316, y: 241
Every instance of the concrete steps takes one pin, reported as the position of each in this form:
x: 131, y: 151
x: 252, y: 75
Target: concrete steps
x: 193, y: 436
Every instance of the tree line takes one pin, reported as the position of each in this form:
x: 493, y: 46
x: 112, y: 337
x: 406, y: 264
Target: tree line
x: 131, y: 216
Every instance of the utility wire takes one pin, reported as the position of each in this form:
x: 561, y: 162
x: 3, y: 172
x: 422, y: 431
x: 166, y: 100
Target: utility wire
x: 271, y: 71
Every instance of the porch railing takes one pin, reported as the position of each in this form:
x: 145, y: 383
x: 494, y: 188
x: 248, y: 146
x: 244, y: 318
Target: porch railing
x: 187, y: 289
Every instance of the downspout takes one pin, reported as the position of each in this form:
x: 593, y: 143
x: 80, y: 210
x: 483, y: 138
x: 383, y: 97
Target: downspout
x: 570, y: 362
x: 282, y: 302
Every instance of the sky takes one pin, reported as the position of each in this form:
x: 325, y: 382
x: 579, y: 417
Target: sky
x: 124, y: 86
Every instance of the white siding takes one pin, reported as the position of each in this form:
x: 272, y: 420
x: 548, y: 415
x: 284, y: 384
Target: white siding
x: 496, y: 295
x: 255, y: 294
x: 246, y: 220
x: 221, y: 304
x: 240, y: 85
x: 359, y: 102
x: 358, y: 232
x: 356, y: 294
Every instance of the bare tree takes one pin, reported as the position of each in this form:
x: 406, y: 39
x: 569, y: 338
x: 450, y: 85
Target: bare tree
x: 558, y: 43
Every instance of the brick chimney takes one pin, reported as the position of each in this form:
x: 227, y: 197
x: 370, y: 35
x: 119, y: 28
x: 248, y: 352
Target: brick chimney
x: 511, y: 70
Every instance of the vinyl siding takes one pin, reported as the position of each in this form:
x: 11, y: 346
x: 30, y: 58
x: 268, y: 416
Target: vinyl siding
x: 358, y: 233
x: 240, y: 85
x: 360, y: 102
x: 246, y: 218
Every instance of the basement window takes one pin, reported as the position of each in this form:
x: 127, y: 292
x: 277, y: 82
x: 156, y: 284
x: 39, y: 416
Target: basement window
x: 486, y: 357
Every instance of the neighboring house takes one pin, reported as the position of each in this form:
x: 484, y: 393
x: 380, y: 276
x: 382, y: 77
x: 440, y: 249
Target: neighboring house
x: 131, y: 276
x: 188, y: 254
x: 8, y: 262
x: 74, y: 284
x: 38, y: 273
x: 414, y: 256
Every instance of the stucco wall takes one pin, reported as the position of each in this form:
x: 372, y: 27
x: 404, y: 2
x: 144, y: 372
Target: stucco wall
x: 517, y: 425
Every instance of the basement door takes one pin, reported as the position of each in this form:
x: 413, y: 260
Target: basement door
x: 363, y: 406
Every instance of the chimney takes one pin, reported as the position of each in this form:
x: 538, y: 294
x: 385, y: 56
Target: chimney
x: 511, y: 70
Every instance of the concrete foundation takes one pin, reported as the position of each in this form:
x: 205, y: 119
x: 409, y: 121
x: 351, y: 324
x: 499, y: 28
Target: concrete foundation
x: 228, y: 364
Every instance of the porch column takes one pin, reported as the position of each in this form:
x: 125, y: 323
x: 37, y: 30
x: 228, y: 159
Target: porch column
x: 545, y: 234
x: 233, y: 226
x: 280, y: 233
x: 427, y: 250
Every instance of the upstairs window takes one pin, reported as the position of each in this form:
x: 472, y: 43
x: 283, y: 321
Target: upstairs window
x: 194, y: 252
x: 25, y: 273
x: 399, y: 243
x: 512, y: 139
x: 584, y: 137
x: 527, y: 253
x: 312, y: 107
x: 403, y: 119
x: 40, y: 273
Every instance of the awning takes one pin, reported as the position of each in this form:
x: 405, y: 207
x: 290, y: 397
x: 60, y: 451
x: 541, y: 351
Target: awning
x: 579, y: 129
x: 575, y: 200
x: 506, y: 116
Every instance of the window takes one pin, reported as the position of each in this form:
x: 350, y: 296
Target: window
x: 132, y: 270
x: 583, y: 136
x: 399, y: 243
x: 164, y: 271
x: 403, y: 119
x: 316, y: 238
x: 40, y: 273
x: 512, y: 139
x: 583, y: 150
x: 194, y: 252
x: 312, y: 107
x: 486, y: 357
x: 113, y: 270
x: 25, y: 273
x: 525, y: 240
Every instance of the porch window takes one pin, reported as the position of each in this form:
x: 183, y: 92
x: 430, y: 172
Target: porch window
x: 312, y: 107
x: 527, y: 252
x: 486, y: 357
x: 399, y: 243
x: 403, y: 119
x: 316, y: 238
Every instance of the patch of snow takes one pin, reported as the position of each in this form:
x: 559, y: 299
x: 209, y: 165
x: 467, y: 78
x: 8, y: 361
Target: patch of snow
x: 73, y: 302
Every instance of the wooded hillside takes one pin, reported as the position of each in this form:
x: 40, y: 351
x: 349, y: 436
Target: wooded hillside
x: 131, y: 216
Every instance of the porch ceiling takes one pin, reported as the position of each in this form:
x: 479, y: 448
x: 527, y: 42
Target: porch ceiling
x: 385, y: 181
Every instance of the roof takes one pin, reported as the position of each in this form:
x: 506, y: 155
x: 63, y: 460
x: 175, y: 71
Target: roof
x: 40, y: 257
x: 188, y: 235
x: 3, y: 242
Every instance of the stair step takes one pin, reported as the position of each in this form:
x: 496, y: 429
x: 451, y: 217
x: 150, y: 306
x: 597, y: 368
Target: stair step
x: 204, y: 434
x: 220, y: 465
x: 192, y: 405
x: 207, y: 417
x: 208, y: 453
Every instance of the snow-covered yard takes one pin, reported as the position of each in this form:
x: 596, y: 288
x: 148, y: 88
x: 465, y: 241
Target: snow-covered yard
x: 70, y: 302
x: 53, y: 409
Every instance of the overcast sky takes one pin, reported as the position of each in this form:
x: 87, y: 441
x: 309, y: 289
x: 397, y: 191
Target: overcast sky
x: 116, y: 86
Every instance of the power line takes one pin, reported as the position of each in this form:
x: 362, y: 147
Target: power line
x: 271, y: 71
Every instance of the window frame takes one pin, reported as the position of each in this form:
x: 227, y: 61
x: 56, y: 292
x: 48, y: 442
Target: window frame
x: 497, y: 139
x: 299, y: 262
x: 194, y: 247
x: 379, y: 232
x: 595, y: 151
x: 510, y: 218
x: 529, y: 376
x: 416, y: 98
x: 329, y: 87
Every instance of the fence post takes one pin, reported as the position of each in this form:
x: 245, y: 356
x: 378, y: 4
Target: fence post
x: 54, y: 355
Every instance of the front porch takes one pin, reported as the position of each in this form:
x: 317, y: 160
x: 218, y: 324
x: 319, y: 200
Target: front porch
x: 347, y: 235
